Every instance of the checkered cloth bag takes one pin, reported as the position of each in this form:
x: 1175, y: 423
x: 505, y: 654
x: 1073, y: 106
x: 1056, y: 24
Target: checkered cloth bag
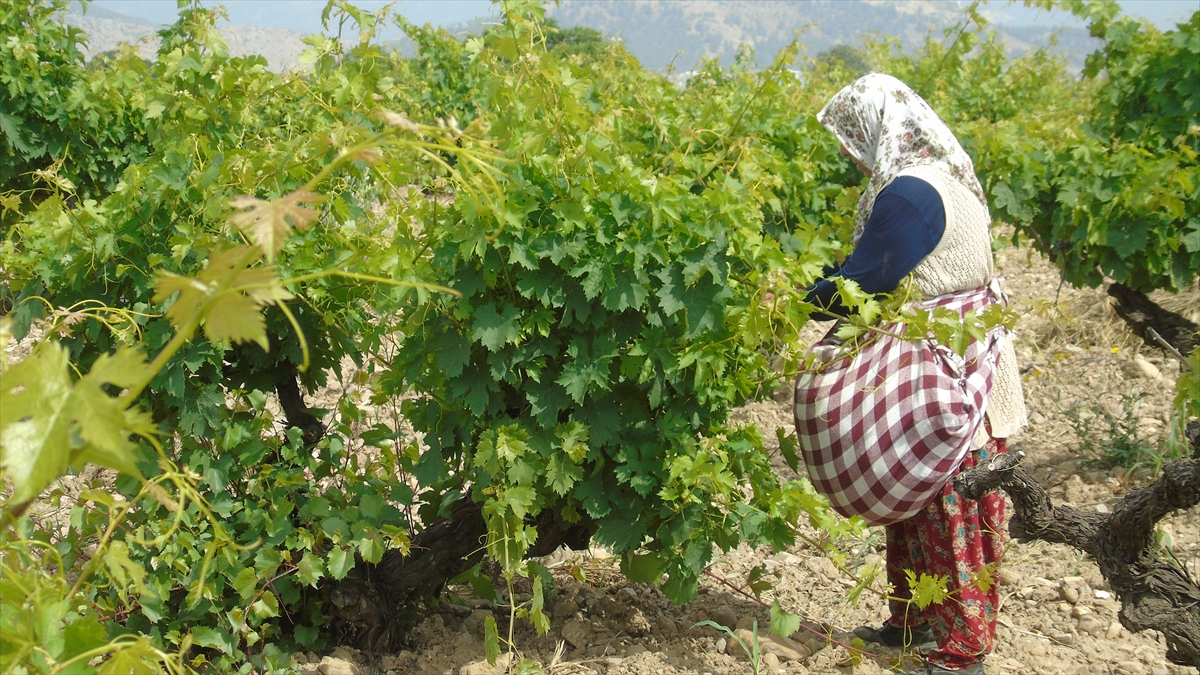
x: 884, y: 425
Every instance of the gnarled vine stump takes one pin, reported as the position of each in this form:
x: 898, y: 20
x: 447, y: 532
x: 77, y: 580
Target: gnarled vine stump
x: 373, y: 607
x: 1155, y: 593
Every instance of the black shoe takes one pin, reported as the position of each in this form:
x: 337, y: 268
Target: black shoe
x: 896, y: 636
x: 930, y: 669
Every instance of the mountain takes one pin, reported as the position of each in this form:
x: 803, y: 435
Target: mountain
x: 681, y: 32
x: 658, y: 32
x: 106, y: 30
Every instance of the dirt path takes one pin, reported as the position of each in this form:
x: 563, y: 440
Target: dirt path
x: 1083, y: 369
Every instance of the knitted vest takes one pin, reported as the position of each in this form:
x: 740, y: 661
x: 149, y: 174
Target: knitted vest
x: 962, y: 260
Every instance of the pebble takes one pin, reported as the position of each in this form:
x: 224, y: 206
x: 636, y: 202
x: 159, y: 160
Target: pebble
x: 724, y: 616
x: 1114, y: 631
x: 1148, y: 370
x: 484, y: 668
x: 1070, y: 594
x: 1009, y: 577
x: 824, y: 567
x: 1131, y: 668
x: 563, y: 608
x: 783, y: 648
x: 636, y: 623
x: 577, y: 632
x: 335, y: 666
x: 771, y: 664
x: 721, y: 644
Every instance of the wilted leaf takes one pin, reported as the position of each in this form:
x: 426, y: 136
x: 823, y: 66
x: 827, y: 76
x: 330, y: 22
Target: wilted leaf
x: 268, y: 223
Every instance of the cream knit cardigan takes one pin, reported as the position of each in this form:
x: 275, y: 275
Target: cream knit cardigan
x: 962, y: 260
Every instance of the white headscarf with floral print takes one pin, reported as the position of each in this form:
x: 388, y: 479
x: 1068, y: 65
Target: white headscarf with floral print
x: 888, y: 128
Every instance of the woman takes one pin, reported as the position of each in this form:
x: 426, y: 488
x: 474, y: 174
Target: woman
x: 924, y: 213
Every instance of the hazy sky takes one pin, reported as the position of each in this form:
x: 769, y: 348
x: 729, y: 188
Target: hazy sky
x: 304, y: 15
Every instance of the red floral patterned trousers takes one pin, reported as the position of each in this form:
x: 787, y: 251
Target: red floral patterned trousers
x: 955, y: 538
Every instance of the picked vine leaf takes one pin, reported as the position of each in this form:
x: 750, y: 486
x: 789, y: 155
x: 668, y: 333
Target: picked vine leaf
x: 47, y: 422
x: 267, y: 222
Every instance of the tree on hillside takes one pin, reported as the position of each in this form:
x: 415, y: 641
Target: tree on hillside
x: 574, y: 40
x: 851, y: 58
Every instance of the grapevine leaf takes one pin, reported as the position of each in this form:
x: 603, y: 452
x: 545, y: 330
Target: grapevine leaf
x: 865, y: 579
x: 539, y: 619
x: 246, y: 583
x: 787, y: 448
x: 266, y: 606
x: 494, y: 330
x: 561, y: 474
x: 35, y: 420
x: 757, y: 582
x: 82, y: 635
x: 139, y: 657
x: 311, y: 569
x: 212, y: 638
x: 646, y: 568
x: 491, y: 640
x: 985, y: 577
x: 267, y: 222
x: 236, y: 318
x: 340, y: 563
x: 783, y: 624
x: 46, y: 422
x: 928, y: 589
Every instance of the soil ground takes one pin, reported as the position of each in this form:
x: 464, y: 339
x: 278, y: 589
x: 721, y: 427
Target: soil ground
x: 1091, y: 387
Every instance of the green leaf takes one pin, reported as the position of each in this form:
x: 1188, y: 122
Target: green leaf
x: 311, y: 569
x: 306, y: 635
x: 928, y: 589
x: 985, y: 576
x: 783, y: 624
x: 646, y: 568
x: 139, y: 658
x: 788, y: 447
x: 35, y: 420
x: 246, y: 583
x: 340, y: 563
x: 494, y: 330
x: 266, y: 606
x: 540, y: 621
x: 491, y: 640
x: 236, y: 318
x: 562, y: 474
x: 757, y: 582
x: 82, y: 635
x: 213, y: 638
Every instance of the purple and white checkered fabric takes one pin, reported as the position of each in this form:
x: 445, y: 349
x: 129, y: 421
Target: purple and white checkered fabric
x: 882, y: 430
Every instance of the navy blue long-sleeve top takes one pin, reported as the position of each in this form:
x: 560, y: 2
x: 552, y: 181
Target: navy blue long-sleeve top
x: 906, y: 225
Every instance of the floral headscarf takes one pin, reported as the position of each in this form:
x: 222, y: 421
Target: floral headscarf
x: 888, y: 128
